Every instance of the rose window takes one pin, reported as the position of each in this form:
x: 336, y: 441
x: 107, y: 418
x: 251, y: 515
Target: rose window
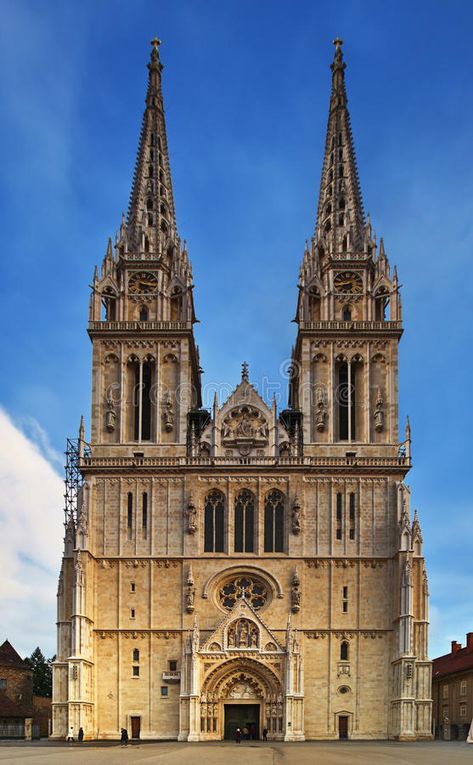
x: 248, y: 587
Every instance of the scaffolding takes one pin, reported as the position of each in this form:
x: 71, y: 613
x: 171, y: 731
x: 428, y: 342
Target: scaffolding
x: 74, y: 479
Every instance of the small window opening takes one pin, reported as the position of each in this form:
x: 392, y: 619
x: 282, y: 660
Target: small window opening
x: 132, y: 613
x: 341, y: 219
x: 164, y: 227
x: 162, y: 210
x: 340, y: 171
x: 344, y: 651
x: 153, y: 139
x: 130, y: 514
x: 173, y: 666
x: 149, y: 203
x: 340, y: 154
x: 136, y: 654
x: 164, y: 691
x: 132, y: 587
x: 341, y: 204
x: 330, y: 176
x: 352, y: 515
x: 136, y: 671
x: 327, y: 226
x: 144, y: 520
x: 339, y: 516
x: 161, y: 176
x: 346, y: 314
x: 345, y: 600
x: 339, y: 139
x: 146, y: 244
x: 150, y: 171
x: 344, y: 244
x: 150, y: 219
x: 143, y: 313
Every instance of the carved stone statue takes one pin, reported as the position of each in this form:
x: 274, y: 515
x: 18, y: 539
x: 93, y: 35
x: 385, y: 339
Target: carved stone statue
x: 168, y: 413
x: 190, y: 592
x: 296, y: 517
x: 295, y: 593
x: 378, y: 413
x: 110, y: 415
x: 191, y: 516
x: 320, y: 412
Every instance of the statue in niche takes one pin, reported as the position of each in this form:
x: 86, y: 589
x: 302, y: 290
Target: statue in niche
x: 296, y: 517
x: 378, y: 413
x: 110, y: 415
x: 168, y: 413
x: 243, y: 634
x: 254, y: 637
x: 245, y: 428
x: 295, y: 594
x: 320, y: 412
x: 190, y: 596
x: 231, y: 637
x: 191, y: 515
x: 190, y: 592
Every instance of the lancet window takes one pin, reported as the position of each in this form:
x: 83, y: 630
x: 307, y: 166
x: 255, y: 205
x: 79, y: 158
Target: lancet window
x: 214, y: 523
x: 349, y: 397
x: 244, y: 522
x: 142, y: 381
x: 274, y: 522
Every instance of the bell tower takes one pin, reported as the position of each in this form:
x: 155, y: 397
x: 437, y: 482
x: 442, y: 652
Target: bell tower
x: 349, y: 310
x: 145, y: 361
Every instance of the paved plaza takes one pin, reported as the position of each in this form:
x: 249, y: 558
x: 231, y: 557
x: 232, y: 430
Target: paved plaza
x: 249, y: 753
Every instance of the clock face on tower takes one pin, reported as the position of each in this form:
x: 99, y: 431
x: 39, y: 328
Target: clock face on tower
x: 349, y: 283
x: 142, y: 283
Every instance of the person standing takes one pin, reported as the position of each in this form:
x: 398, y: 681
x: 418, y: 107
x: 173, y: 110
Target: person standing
x: 80, y: 735
x: 237, y: 736
x: 124, y: 737
x: 469, y: 738
x: 245, y: 731
x: 70, y: 735
x: 265, y: 734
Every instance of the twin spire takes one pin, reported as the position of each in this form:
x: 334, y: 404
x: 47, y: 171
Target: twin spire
x: 340, y: 225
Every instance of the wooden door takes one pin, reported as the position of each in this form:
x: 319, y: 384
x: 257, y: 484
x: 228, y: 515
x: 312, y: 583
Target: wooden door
x: 343, y: 726
x: 135, y: 727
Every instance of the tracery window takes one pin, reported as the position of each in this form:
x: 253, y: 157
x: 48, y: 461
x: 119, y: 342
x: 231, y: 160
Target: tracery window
x: 253, y: 589
x: 244, y: 522
x: 214, y: 522
x: 274, y: 522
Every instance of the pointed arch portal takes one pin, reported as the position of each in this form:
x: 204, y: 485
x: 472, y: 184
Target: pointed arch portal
x: 241, y: 692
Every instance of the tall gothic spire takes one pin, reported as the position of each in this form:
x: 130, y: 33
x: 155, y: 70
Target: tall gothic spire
x: 340, y: 217
x: 151, y: 214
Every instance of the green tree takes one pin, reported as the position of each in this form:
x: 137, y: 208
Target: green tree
x: 42, y: 673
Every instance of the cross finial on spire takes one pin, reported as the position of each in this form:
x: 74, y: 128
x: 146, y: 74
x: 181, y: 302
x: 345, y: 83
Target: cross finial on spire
x: 155, y: 42
x: 244, y: 372
x: 338, y: 44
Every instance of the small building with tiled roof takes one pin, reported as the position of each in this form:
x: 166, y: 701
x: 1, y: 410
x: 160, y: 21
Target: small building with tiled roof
x: 452, y: 690
x: 16, y: 692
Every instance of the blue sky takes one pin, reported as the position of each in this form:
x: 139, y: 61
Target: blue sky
x: 246, y: 92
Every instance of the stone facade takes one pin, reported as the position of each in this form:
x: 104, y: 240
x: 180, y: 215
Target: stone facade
x: 243, y: 566
x: 452, y: 691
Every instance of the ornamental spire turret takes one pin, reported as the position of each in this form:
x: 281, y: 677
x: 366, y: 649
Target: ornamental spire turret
x: 151, y: 214
x: 340, y: 217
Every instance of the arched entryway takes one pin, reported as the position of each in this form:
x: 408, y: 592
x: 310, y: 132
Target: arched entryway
x: 241, y: 693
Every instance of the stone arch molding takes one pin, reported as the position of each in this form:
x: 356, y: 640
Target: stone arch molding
x: 244, y: 676
x: 242, y: 569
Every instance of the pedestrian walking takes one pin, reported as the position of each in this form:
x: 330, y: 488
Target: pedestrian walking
x: 124, y: 737
x: 245, y: 731
x: 237, y: 736
x: 80, y: 735
x: 70, y: 735
x: 265, y: 734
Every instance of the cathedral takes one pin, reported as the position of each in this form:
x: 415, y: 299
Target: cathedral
x: 243, y: 566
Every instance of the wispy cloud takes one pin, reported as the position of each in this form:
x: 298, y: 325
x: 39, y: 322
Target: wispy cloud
x: 31, y: 496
